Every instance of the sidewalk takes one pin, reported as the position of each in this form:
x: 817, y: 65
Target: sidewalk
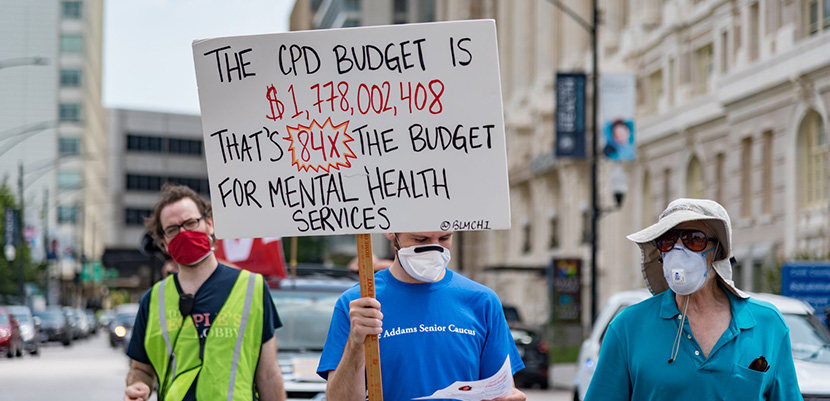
x: 562, y: 375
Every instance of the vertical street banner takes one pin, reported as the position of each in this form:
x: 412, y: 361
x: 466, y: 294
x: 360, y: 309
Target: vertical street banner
x: 358, y: 130
x: 570, y: 115
x: 566, y: 305
x: 616, y: 116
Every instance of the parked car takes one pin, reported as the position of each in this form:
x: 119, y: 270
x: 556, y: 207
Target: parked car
x: 534, y: 352
x: 105, y: 317
x: 810, y: 342
x: 121, y: 327
x: 74, y: 322
x: 29, y: 330
x: 10, y: 341
x: 305, y: 305
x: 54, y: 326
x: 511, y: 314
x: 83, y: 322
x: 92, y: 321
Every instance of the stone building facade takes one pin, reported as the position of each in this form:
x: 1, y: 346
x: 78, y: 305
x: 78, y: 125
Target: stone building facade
x: 732, y: 105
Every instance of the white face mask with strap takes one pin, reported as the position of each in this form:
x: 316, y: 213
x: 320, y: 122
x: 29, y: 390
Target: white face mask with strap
x: 685, y: 270
x: 424, y: 262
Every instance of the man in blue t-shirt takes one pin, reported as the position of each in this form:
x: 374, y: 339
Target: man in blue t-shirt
x: 434, y: 327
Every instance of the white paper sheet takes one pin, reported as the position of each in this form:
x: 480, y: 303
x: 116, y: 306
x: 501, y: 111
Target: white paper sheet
x: 498, y: 385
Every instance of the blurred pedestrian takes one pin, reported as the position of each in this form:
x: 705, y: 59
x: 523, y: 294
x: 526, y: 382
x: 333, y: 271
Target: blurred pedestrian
x: 699, y: 337
x: 434, y: 326
x: 207, y: 331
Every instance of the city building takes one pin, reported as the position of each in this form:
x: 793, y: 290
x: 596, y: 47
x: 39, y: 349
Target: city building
x: 329, y: 14
x: 53, y: 128
x: 146, y: 150
x: 732, y: 105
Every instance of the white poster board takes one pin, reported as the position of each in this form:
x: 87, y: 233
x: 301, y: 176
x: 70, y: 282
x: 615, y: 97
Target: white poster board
x: 347, y: 131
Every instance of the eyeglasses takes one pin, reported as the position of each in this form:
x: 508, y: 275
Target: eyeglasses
x: 695, y: 240
x: 189, y: 225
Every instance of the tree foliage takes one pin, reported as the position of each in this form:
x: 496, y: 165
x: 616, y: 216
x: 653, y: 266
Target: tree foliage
x: 10, y: 270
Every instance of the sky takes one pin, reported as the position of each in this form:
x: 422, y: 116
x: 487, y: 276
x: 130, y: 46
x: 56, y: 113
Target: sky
x: 148, y: 59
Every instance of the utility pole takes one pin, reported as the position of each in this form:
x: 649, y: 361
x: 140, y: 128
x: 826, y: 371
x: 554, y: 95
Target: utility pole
x: 20, y: 238
x: 592, y: 29
x: 594, y: 201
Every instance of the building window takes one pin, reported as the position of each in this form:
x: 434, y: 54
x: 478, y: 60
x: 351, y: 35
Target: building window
x: 527, y: 243
x: 817, y: 15
x: 553, y: 222
x: 67, y: 214
x: 703, y: 63
x: 724, y: 52
x: 400, y: 10
x: 655, y: 90
x: 746, y: 177
x: 671, y: 83
x: 754, y: 32
x: 69, y: 180
x: 152, y: 183
x: 767, y: 174
x: 72, y: 44
x: 70, y: 78
x: 648, y: 202
x: 586, y: 226
x: 155, y: 144
x: 70, y: 112
x: 720, y: 160
x: 694, y: 179
x: 813, y: 149
x: 71, y: 9
x: 69, y: 146
x: 184, y: 146
x: 667, y: 186
x: 135, y: 217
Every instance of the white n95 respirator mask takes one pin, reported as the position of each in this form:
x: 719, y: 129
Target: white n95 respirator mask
x: 424, y: 262
x: 685, y: 270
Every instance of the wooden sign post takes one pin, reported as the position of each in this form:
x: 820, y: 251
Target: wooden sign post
x: 371, y: 349
x: 355, y: 131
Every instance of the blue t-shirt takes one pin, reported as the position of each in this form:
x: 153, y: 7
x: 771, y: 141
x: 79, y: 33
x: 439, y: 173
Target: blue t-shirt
x: 208, y: 300
x: 633, y: 361
x: 433, y: 334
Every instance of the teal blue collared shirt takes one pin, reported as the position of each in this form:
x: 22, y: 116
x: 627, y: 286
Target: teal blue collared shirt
x: 633, y: 361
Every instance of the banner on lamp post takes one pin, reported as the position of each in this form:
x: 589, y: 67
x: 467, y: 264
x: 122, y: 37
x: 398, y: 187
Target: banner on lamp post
x: 616, y: 116
x: 570, y: 115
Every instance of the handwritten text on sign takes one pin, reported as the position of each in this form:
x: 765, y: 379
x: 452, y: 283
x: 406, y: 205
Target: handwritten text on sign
x: 361, y: 130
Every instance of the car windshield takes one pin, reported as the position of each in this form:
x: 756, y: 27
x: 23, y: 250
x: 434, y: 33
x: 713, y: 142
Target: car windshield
x: 20, y: 313
x: 4, y: 319
x: 125, y: 319
x: 305, y: 317
x: 51, y: 316
x: 810, y: 340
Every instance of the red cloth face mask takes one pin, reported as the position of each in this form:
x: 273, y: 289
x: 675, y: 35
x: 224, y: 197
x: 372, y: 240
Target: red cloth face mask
x: 189, y: 247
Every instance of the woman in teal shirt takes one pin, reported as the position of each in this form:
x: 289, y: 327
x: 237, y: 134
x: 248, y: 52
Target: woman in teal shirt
x: 699, y: 337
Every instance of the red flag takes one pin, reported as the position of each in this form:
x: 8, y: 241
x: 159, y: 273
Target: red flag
x: 259, y: 255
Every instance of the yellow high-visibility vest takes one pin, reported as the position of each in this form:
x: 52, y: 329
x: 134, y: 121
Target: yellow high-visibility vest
x: 229, y: 363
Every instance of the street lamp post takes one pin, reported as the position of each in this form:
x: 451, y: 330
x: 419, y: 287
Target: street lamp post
x: 592, y: 29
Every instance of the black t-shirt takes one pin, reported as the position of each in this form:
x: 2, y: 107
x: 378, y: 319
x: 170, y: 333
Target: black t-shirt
x: 208, y: 300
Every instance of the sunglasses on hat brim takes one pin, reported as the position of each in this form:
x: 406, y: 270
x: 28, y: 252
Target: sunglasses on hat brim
x: 695, y: 240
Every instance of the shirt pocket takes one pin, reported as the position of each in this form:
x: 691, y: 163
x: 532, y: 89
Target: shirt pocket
x: 745, y: 384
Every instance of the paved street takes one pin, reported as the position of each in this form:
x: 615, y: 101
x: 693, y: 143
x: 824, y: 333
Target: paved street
x: 90, y: 370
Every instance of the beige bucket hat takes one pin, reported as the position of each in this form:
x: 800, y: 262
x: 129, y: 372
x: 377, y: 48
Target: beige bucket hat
x: 680, y: 211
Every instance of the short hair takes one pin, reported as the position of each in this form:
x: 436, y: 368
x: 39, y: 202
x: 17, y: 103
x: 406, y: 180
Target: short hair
x: 172, y: 193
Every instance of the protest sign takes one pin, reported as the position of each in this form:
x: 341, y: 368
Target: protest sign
x: 363, y: 130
